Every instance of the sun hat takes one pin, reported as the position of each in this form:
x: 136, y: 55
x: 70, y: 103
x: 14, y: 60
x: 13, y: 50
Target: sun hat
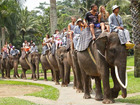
x: 114, y: 7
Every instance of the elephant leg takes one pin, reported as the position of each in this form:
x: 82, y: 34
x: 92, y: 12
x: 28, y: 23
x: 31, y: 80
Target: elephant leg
x: 62, y: 73
x: 56, y: 77
x: 8, y: 73
x: 99, y: 95
x: 67, y: 74
x: 52, y: 75
x: 115, y: 90
x: 33, y: 72
x: 24, y: 74
x: 74, y: 83
x: 2, y: 71
x: 106, y: 86
x: 86, y: 79
x: 79, y: 84
x: 45, y: 75
x: 37, y: 68
x: 21, y: 76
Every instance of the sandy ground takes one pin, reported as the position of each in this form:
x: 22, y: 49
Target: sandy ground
x: 17, y: 90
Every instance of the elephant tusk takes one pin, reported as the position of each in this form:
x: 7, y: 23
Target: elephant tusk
x: 118, y: 78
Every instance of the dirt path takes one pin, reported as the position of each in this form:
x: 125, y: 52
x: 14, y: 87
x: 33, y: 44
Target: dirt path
x: 17, y: 90
x: 68, y: 96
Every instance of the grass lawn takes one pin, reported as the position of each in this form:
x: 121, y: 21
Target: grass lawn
x: 130, y: 61
x: 48, y: 92
x: 132, y: 100
x: 133, y: 83
x: 14, y: 101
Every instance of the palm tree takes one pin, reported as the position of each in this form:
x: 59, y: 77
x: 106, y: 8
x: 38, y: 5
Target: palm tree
x: 53, y: 16
x: 135, y: 12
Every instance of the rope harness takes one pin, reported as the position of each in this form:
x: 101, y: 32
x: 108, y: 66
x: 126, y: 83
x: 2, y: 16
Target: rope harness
x: 91, y: 56
x: 49, y: 61
x: 27, y: 62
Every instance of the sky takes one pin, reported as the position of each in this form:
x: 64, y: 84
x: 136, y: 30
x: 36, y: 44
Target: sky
x: 31, y: 4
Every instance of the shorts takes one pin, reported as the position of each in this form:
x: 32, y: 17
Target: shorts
x: 97, y: 25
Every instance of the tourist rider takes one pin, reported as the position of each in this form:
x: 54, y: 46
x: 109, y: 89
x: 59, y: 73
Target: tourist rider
x: 14, y: 51
x: 92, y: 19
x: 34, y: 48
x: 116, y: 25
x: 77, y: 31
x: 103, y: 18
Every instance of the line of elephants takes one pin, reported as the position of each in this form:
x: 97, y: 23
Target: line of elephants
x: 107, y: 52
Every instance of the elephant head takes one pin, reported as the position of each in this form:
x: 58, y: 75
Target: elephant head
x: 60, y: 53
x: 109, y: 46
x: 116, y: 55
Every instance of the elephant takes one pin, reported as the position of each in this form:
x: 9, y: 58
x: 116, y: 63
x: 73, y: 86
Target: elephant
x: 51, y: 58
x: 34, y: 61
x: 29, y: 61
x: 102, y: 54
x: 45, y: 66
x: 13, y: 62
x: 64, y: 66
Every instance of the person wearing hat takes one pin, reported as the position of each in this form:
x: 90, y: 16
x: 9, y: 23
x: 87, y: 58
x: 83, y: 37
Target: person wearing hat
x: 34, y: 48
x: 116, y: 25
x: 77, y: 31
x: 14, y: 51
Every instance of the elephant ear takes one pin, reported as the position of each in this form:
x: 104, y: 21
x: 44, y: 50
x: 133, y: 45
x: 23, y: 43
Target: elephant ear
x: 101, y: 42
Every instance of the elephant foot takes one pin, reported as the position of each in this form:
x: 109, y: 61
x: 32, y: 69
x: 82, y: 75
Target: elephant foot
x: 3, y: 78
x: 8, y: 78
x: 14, y: 77
x: 99, y: 97
x: 108, y: 101
x: 79, y: 91
x: 74, y: 87
x: 35, y: 79
x: 52, y: 79
x: 57, y: 83
x: 63, y: 85
x: 114, y: 93
x: 25, y: 78
x: 45, y: 80
x: 86, y: 96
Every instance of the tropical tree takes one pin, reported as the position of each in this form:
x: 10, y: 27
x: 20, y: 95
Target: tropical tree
x: 53, y: 16
x: 135, y: 11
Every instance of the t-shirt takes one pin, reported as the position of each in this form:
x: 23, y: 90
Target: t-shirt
x: 72, y: 26
x: 45, y: 40
x: 92, y: 19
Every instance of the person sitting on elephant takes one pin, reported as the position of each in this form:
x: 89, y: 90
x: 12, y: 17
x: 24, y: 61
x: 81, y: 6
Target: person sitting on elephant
x: 92, y: 19
x: 57, y: 39
x: 34, y: 48
x: 5, y: 52
x: 116, y: 25
x: 64, y: 37
x: 103, y: 19
x: 71, y: 27
x: 14, y: 51
x: 26, y: 46
x: 77, y: 31
x: 47, y: 41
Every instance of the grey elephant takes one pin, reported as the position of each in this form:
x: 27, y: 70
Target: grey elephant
x: 106, y: 52
x: 64, y: 65
x: 46, y: 66
x: 29, y: 61
x: 13, y: 62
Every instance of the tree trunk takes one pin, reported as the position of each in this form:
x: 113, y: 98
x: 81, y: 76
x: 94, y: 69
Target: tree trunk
x: 53, y: 16
x: 135, y: 11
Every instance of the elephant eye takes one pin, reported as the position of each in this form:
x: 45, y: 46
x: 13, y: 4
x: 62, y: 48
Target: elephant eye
x: 112, y: 50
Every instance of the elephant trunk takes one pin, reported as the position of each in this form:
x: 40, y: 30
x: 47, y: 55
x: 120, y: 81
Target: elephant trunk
x: 37, y: 68
x: 121, y: 76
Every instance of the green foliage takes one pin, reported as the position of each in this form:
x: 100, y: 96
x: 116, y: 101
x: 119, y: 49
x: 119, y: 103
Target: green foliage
x: 130, y: 61
x: 132, y: 100
x: 48, y: 92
